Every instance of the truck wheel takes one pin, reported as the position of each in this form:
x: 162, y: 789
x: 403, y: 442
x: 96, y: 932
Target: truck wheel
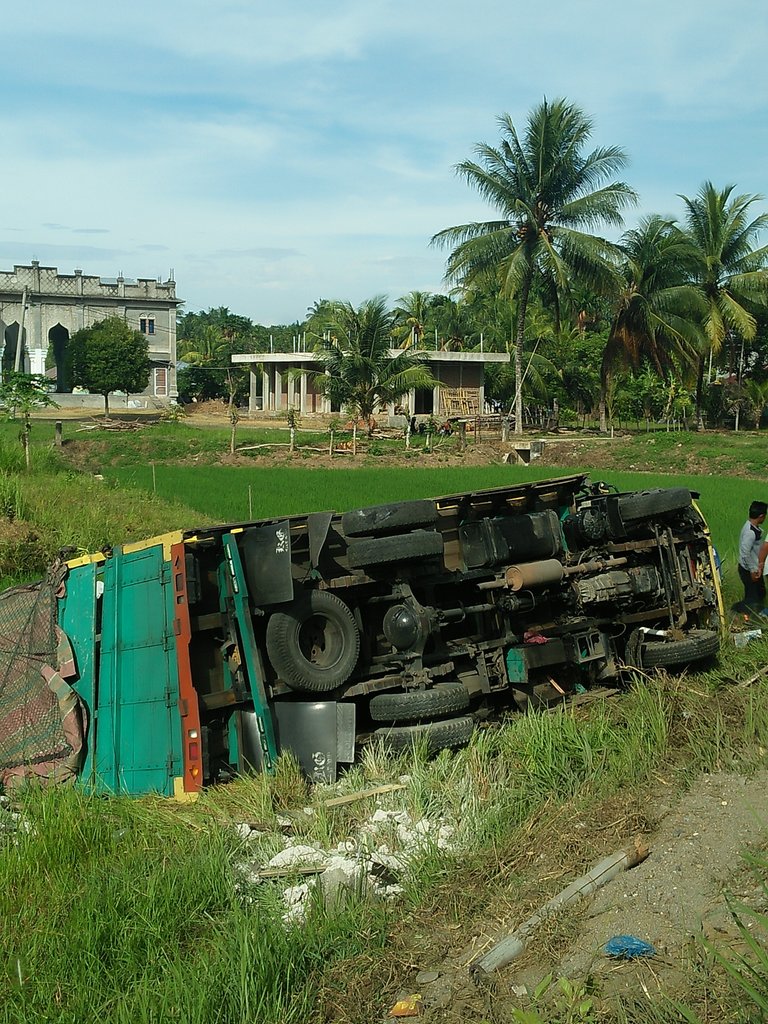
x: 384, y: 519
x: 314, y: 644
x: 698, y: 644
x: 406, y: 547
x: 447, y: 735
x: 644, y: 504
x: 442, y: 699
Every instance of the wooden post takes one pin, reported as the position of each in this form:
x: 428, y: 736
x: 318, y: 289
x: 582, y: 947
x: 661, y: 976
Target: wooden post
x: 58, y: 434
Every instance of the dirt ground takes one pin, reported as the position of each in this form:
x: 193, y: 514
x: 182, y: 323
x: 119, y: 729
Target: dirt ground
x: 677, y: 895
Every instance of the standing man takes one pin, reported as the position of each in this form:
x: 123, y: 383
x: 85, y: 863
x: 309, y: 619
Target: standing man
x: 752, y: 560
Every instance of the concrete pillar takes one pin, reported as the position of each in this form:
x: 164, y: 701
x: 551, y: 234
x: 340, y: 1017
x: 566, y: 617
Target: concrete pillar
x: 303, y: 393
x: 252, y: 380
x: 278, y: 390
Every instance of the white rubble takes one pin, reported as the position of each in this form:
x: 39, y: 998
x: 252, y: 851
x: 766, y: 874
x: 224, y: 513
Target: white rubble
x: 374, y: 858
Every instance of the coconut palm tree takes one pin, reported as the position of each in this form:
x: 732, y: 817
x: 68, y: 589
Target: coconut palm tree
x: 207, y: 347
x: 410, y: 318
x: 548, y: 193
x: 658, y: 312
x: 360, y: 372
x: 731, y: 271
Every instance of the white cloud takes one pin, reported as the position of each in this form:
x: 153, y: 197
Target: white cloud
x: 276, y: 155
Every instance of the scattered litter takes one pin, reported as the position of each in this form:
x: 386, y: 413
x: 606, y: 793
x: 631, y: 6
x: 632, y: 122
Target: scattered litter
x: 628, y: 947
x: 408, y: 1007
x: 514, y: 944
x: 746, y: 636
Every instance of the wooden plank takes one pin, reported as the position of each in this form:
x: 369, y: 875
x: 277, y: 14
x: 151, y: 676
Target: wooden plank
x: 363, y: 794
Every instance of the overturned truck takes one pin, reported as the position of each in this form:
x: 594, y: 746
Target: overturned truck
x: 186, y: 659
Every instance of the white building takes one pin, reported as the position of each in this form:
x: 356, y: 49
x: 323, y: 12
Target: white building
x: 46, y: 308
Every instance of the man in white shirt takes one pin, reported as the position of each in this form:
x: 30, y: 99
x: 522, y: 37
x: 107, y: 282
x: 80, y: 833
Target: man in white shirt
x: 752, y: 560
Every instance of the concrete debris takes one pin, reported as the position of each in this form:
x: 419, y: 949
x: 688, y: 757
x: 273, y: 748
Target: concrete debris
x: 375, y: 859
x: 297, y: 899
x: 298, y: 856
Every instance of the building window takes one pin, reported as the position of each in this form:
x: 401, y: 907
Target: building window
x: 147, y: 324
x: 161, y: 381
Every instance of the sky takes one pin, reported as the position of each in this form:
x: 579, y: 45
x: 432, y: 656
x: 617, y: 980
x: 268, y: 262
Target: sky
x: 273, y: 155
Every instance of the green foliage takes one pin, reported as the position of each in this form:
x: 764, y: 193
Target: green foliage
x: 548, y: 194
x: 107, y: 357
x: 732, y: 269
x: 203, y: 384
x: 24, y: 393
x: 658, y: 311
x: 213, y: 335
x: 154, y: 926
x: 359, y: 374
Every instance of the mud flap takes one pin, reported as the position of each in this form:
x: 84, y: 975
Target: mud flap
x: 320, y: 735
x: 267, y: 558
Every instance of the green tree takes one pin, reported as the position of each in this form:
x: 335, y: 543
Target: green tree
x: 109, y: 356
x: 23, y: 393
x: 411, y: 317
x: 658, y: 312
x: 548, y: 194
x: 731, y: 270
x: 360, y: 373
x: 756, y: 393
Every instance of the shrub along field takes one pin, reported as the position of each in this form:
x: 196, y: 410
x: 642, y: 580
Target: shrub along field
x: 135, y: 910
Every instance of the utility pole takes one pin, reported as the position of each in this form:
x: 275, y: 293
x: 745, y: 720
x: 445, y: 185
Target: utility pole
x: 20, y: 336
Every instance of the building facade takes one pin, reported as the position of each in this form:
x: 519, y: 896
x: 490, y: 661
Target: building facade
x: 40, y: 309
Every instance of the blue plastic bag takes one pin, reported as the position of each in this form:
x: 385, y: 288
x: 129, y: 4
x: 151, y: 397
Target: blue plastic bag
x: 628, y: 947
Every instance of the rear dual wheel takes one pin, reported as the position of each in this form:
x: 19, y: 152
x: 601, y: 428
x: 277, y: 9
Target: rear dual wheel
x: 442, y: 699
x: 380, y: 520
x: 449, y: 734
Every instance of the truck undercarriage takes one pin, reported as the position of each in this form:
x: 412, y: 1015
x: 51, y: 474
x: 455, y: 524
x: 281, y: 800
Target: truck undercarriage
x: 203, y: 654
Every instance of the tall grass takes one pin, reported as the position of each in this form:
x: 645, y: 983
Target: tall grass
x: 123, y: 911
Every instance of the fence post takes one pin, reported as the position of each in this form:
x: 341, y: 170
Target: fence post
x: 58, y: 434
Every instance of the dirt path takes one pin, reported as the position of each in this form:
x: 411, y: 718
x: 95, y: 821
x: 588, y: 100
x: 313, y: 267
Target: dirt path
x: 678, y: 892
x: 674, y: 897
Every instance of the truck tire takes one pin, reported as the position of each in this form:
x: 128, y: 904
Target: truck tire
x: 698, y: 644
x: 366, y: 552
x: 646, y: 504
x: 447, y: 735
x: 314, y: 644
x: 443, y: 699
x: 385, y: 519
